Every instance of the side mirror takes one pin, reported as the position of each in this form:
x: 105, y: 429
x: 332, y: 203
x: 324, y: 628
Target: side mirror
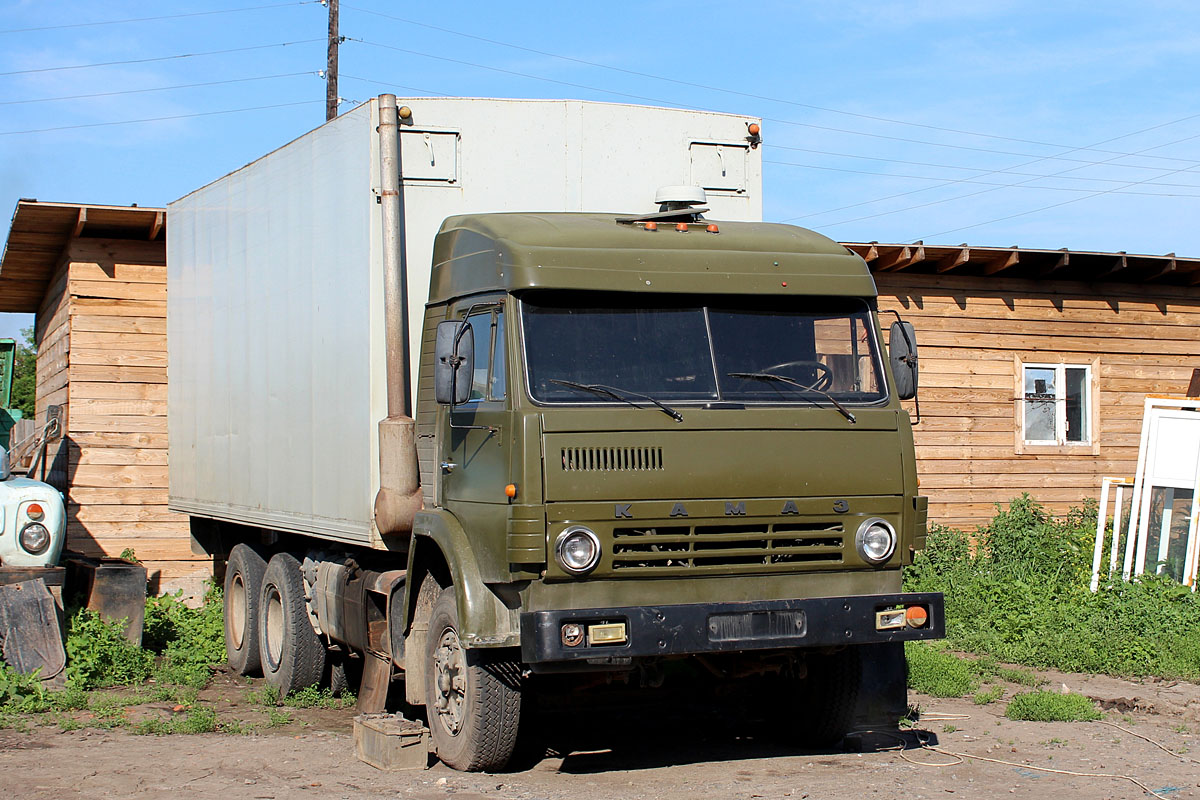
x: 902, y: 353
x: 4, y: 470
x: 454, y: 362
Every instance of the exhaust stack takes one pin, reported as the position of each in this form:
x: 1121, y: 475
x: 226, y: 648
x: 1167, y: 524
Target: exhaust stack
x: 399, y: 497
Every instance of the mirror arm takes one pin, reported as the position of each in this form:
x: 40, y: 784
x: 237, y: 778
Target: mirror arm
x: 910, y: 360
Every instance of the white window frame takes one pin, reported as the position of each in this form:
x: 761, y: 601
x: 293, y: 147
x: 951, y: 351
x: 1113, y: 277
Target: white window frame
x: 1090, y: 442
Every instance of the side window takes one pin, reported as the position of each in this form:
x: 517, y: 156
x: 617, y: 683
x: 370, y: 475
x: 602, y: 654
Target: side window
x: 498, y: 384
x: 490, y: 377
x: 1055, y: 402
x: 481, y: 330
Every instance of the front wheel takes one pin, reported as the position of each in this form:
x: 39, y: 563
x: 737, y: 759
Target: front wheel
x: 830, y: 697
x: 473, y: 697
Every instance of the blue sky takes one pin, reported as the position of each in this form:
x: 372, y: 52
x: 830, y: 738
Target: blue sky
x: 872, y: 110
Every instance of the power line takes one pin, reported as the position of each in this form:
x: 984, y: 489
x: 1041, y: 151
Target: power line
x: 160, y: 58
x: 1043, y: 208
x: 1012, y: 171
x: 155, y: 89
x: 159, y: 119
x: 1037, y: 159
x: 767, y: 98
x: 389, y: 85
x: 984, y: 175
x: 978, y: 182
x: 154, y: 19
x: 985, y: 191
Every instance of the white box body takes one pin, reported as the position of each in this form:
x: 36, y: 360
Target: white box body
x: 275, y: 331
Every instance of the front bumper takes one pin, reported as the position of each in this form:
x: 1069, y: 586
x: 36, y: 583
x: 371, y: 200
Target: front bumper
x: 727, y: 627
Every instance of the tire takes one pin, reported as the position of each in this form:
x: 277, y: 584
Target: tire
x: 830, y: 697
x: 345, y: 675
x: 292, y: 655
x: 243, y: 587
x: 473, y: 697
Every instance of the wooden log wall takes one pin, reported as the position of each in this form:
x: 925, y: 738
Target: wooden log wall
x: 972, y: 333
x: 117, y: 393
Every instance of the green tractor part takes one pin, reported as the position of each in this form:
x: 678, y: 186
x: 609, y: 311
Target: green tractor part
x: 8, y: 416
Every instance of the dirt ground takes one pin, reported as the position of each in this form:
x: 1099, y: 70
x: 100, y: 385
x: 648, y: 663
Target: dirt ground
x: 313, y: 755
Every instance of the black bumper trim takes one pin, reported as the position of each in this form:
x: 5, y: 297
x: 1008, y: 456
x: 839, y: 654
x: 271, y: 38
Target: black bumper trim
x: 726, y: 627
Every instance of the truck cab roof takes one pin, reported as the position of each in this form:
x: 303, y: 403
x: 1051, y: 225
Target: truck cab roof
x: 613, y: 252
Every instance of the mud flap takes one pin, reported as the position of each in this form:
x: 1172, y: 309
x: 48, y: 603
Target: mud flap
x: 30, y: 637
x: 882, y: 697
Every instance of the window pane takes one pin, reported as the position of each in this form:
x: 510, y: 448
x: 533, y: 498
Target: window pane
x: 1077, y: 405
x: 651, y: 344
x: 481, y: 333
x: 1039, y: 404
x: 1167, y: 529
x: 499, y: 362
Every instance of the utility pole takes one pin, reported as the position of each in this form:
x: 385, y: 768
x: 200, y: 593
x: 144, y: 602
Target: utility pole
x: 331, y: 68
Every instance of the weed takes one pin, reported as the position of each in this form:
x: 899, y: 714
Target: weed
x: 989, y: 695
x: 1024, y: 677
x: 266, y: 696
x: 1043, y: 706
x: 1017, y: 591
x: 189, y: 640
x: 312, y: 697
x: 99, y: 655
x: 198, y: 719
x: 934, y: 671
x: 67, y: 723
x: 948, y: 728
x: 278, y: 717
x: 1181, y: 728
x: 236, y: 727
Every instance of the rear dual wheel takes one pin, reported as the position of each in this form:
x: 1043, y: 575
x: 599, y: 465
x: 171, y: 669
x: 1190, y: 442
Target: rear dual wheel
x: 243, y: 584
x: 292, y: 655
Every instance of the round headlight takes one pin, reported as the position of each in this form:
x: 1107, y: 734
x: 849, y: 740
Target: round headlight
x: 35, y: 538
x: 577, y: 550
x: 875, y: 540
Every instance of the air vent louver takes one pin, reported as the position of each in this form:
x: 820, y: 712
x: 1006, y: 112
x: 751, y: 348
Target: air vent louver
x: 612, y: 459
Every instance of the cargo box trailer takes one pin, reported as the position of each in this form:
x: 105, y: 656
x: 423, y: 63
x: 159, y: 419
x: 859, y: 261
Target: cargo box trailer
x: 643, y: 432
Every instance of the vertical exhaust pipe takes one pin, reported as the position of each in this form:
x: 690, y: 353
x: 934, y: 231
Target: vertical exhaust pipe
x: 399, y: 497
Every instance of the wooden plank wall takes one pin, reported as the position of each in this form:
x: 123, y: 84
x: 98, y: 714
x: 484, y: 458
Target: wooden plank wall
x: 53, y: 339
x: 118, y: 398
x: 970, y: 332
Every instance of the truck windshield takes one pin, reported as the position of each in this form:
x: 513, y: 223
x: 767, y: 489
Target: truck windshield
x: 682, y: 348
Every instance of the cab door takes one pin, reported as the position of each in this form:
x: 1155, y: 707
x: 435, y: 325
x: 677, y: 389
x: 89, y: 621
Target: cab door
x: 474, y: 459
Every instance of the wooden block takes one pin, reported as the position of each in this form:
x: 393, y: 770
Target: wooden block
x: 391, y: 742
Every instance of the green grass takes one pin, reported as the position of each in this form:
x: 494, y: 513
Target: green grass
x: 1017, y: 591
x: 312, y: 697
x: 934, y: 671
x: 1043, y: 706
x: 989, y: 695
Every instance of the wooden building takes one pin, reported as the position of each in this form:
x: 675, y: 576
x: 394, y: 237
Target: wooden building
x: 95, y: 276
x: 1035, y: 364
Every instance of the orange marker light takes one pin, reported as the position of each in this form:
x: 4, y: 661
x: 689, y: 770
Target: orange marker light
x: 916, y: 616
x: 510, y: 491
x: 651, y: 226
x: 753, y: 128
x: 713, y: 228
x: 681, y: 227
x: 34, y: 511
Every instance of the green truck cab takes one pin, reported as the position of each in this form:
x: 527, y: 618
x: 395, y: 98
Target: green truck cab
x: 657, y: 438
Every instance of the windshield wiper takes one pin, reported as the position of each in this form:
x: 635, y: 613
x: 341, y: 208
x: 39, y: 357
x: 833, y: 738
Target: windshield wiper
x: 621, y: 395
x: 771, y: 376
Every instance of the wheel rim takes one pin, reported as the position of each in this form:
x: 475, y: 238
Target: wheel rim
x: 237, y: 611
x: 450, y: 674
x: 273, y: 620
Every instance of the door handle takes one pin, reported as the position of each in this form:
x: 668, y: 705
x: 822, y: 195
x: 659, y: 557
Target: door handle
x: 448, y: 466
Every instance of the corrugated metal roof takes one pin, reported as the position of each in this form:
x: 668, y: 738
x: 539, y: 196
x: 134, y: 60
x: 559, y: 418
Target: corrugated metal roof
x: 40, y: 231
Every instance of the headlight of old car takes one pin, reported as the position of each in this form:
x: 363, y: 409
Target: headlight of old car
x: 577, y: 550
x: 35, y: 538
x: 875, y: 540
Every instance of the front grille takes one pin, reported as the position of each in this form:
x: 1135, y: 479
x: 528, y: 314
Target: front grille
x: 612, y: 459
x: 750, y: 547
